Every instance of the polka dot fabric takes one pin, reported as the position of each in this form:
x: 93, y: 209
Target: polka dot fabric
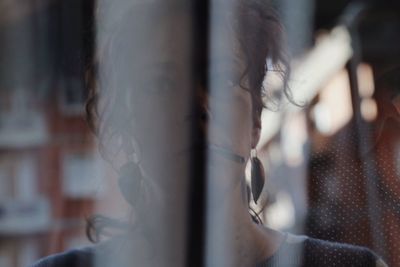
x: 354, y: 192
x: 313, y: 252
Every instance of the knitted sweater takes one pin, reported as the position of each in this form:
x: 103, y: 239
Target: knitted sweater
x: 295, y: 251
x: 303, y: 251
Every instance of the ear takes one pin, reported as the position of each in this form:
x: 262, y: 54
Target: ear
x: 256, y: 130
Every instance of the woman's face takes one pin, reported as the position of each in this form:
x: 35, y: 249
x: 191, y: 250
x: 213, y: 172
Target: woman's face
x: 161, y: 93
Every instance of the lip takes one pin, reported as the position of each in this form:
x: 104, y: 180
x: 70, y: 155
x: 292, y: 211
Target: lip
x: 219, y: 150
x: 226, y: 153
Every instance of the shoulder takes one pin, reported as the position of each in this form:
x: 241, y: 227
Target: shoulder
x: 71, y: 258
x: 325, y: 253
x: 311, y: 252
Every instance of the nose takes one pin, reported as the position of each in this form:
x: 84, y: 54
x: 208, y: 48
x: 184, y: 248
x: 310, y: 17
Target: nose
x: 203, y: 117
x: 199, y: 119
x: 200, y: 115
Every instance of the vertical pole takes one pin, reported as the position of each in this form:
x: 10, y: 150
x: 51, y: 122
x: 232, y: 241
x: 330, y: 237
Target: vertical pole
x: 362, y: 130
x: 197, y: 195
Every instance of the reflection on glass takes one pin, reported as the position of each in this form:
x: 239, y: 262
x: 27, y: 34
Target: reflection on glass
x: 172, y: 133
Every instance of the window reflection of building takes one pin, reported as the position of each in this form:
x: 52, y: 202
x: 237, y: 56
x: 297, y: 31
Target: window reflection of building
x: 42, y: 121
x: 36, y: 216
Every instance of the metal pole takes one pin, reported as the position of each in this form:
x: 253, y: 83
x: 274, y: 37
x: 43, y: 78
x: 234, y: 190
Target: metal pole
x: 362, y: 130
x: 197, y: 195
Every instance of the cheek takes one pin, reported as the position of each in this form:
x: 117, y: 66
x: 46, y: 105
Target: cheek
x: 160, y: 128
x: 231, y: 122
x: 243, y: 131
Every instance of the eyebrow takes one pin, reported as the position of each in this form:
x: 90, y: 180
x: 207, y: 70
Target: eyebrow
x: 159, y: 68
x: 168, y: 65
x: 232, y: 64
x: 231, y: 61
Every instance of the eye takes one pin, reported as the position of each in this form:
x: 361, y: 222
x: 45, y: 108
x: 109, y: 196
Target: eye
x: 230, y: 83
x: 224, y: 81
x: 160, y: 85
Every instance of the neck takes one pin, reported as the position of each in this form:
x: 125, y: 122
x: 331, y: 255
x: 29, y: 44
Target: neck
x: 233, y: 239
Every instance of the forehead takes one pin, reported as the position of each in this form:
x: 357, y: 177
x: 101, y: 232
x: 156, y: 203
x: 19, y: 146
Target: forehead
x: 168, y: 36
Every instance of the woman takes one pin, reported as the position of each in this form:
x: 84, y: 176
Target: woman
x: 148, y: 69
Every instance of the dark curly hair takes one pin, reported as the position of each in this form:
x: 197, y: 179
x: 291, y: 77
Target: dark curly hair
x: 260, y: 37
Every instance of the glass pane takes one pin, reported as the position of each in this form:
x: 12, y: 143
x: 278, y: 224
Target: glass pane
x: 199, y: 133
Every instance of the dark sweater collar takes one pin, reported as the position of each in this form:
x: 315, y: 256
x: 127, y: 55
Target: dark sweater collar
x: 289, y: 253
